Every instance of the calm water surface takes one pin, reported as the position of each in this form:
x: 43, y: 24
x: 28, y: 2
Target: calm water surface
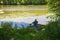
x: 23, y: 13
x: 12, y: 11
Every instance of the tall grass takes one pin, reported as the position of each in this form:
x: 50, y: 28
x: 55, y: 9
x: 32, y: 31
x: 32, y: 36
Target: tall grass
x: 51, y: 32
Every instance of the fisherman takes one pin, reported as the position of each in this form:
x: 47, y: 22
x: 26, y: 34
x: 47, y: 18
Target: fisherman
x: 35, y: 24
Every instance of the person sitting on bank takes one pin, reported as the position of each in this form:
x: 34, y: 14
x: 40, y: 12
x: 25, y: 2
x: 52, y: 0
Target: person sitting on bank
x: 35, y: 24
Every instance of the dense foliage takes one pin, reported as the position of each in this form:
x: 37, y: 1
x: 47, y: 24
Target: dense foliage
x: 23, y: 2
x: 53, y: 28
x: 47, y: 32
x: 9, y: 33
x: 54, y: 6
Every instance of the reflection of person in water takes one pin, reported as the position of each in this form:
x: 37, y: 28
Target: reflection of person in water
x: 35, y: 24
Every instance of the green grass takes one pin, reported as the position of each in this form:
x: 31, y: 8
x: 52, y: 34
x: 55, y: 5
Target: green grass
x: 51, y: 32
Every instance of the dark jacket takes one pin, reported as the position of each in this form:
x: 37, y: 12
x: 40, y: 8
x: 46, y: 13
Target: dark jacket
x: 35, y: 23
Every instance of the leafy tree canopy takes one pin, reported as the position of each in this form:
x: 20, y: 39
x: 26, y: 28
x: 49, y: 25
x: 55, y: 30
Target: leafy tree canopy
x: 54, y: 6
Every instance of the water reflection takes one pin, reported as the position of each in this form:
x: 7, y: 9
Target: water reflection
x: 22, y: 13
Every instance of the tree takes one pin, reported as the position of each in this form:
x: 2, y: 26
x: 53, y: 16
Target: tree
x: 1, y: 2
x: 53, y: 28
x: 54, y: 6
x: 24, y: 2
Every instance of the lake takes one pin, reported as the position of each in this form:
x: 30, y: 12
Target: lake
x: 24, y: 13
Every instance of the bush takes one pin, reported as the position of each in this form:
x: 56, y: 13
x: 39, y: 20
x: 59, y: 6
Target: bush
x: 23, y: 2
x: 53, y: 30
